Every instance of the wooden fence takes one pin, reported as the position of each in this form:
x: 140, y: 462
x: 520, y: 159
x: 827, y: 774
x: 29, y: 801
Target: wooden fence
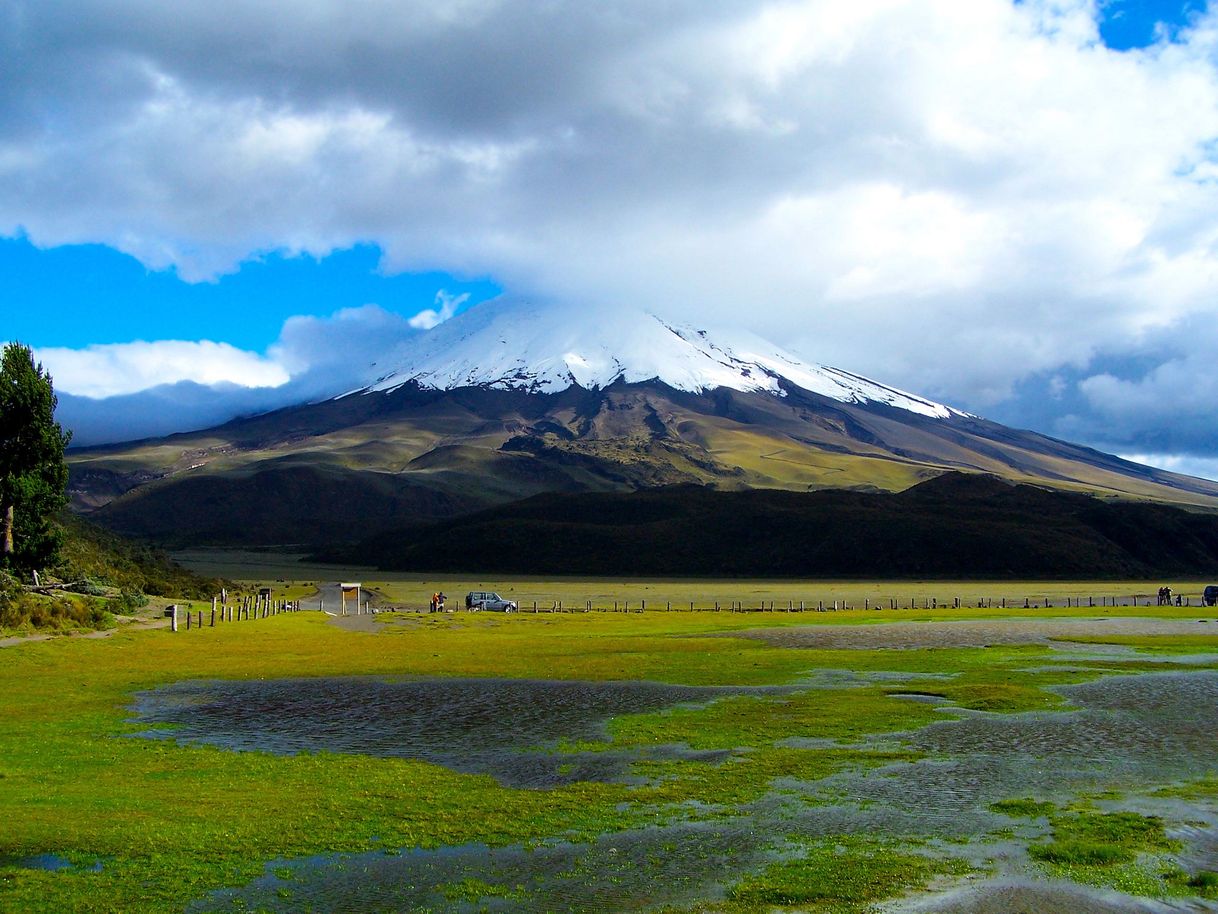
x: 243, y: 609
x: 262, y: 606
x: 843, y: 605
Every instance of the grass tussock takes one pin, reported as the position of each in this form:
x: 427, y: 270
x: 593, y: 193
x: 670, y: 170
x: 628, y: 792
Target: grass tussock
x: 1102, y: 839
x: 840, y: 875
x: 1024, y: 808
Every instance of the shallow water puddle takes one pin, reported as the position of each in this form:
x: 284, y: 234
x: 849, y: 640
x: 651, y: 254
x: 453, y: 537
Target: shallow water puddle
x: 1125, y: 733
x: 629, y: 871
x: 54, y: 863
x: 976, y: 633
x: 501, y: 727
x: 1129, y: 733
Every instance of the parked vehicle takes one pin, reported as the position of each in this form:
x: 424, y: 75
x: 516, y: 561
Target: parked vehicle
x: 477, y: 600
x: 1210, y: 595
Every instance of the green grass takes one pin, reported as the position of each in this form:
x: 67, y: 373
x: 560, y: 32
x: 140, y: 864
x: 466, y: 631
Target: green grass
x: 839, y: 714
x: 171, y: 822
x: 1025, y: 808
x: 1118, y: 850
x: 1107, y: 850
x: 840, y: 875
x: 1158, y: 644
x: 1203, y: 883
x: 1102, y: 838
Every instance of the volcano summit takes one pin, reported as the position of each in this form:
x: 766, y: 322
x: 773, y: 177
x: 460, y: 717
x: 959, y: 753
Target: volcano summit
x: 506, y: 401
x: 544, y: 351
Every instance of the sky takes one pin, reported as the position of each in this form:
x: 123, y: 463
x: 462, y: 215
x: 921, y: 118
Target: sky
x: 211, y: 208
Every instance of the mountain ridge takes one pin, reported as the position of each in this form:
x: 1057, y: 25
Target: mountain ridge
x: 336, y: 469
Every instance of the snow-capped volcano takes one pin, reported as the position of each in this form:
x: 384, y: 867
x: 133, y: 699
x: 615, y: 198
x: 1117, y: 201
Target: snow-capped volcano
x: 547, y: 349
x: 505, y: 402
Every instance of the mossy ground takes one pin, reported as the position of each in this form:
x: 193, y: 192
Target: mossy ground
x: 170, y: 822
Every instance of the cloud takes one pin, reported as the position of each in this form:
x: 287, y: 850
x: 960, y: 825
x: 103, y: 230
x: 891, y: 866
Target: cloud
x: 136, y: 390
x: 1203, y: 467
x: 161, y: 410
x: 330, y: 355
x: 430, y: 317
x: 1162, y: 400
x: 952, y: 196
x: 115, y: 369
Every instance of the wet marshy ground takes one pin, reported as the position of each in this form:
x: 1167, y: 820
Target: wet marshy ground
x: 506, y: 728
x: 979, y: 633
x: 1117, y: 740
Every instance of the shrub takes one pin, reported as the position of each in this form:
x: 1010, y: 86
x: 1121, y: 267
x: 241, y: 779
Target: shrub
x: 128, y: 601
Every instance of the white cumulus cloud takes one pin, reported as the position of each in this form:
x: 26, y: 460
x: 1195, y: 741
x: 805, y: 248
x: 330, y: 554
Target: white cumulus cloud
x: 122, y: 368
x: 123, y: 391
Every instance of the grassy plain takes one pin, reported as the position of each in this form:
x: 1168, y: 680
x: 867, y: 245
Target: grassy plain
x: 150, y: 825
x: 414, y: 589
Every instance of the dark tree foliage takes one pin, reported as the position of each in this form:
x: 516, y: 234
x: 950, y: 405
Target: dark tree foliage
x: 33, y: 473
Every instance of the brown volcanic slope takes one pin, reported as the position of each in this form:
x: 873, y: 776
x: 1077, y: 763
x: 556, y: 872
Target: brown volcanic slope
x: 343, y: 469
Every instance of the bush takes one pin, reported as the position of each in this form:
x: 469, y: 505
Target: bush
x: 21, y: 611
x: 56, y: 613
x: 89, y: 588
x: 128, y: 601
x: 100, y: 556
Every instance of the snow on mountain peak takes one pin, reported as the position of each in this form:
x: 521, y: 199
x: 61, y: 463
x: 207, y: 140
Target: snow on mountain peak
x: 544, y: 350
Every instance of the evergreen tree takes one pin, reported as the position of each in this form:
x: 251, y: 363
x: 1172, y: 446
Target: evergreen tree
x: 33, y: 473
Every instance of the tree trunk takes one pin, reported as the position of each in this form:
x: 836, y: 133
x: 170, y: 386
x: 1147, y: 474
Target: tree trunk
x: 8, y: 530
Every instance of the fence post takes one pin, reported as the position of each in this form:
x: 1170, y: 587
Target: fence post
x: 173, y: 617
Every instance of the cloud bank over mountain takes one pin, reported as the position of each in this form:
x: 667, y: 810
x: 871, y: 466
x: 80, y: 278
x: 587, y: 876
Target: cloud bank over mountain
x: 979, y: 201
x: 139, y: 390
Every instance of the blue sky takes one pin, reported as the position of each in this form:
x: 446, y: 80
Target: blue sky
x: 1007, y: 206
x: 1126, y: 24
x: 77, y: 295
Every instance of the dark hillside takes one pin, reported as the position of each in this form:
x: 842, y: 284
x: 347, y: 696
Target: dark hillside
x: 957, y: 525
x: 99, y: 556
x: 283, y: 503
